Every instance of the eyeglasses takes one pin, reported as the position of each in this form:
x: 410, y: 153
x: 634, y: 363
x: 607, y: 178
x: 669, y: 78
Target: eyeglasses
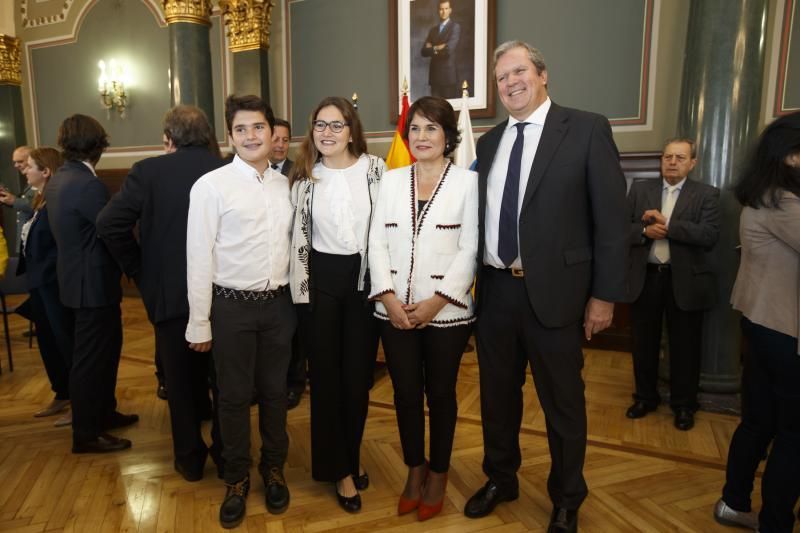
x: 336, y: 126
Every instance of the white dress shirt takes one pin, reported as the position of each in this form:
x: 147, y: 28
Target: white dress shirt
x: 497, y: 179
x: 341, y: 208
x: 238, y: 237
x: 651, y: 258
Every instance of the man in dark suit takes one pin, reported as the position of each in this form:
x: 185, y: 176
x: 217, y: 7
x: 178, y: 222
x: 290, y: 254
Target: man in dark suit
x: 89, y: 283
x: 674, y: 224
x: 441, y: 46
x: 156, y: 196
x: 297, y: 376
x: 552, y: 251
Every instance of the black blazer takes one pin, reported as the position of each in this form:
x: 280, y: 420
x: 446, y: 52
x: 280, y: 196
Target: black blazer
x: 693, y: 232
x: 287, y: 166
x: 573, y: 222
x: 39, y: 259
x: 442, y: 70
x: 156, y: 195
x: 87, y: 274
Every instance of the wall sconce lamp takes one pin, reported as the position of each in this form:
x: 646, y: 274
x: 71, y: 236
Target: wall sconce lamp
x: 112, y: 86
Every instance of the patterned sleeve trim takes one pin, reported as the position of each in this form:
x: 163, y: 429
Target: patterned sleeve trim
x: 454, y: 301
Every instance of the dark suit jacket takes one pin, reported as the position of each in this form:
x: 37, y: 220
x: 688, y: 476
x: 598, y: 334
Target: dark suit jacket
x: 156, y: 194
x: 573, y: 222
x: 287, y: 166
x: 38, y: 261
x: 442, y: 70
x: 87, y: 274
x: 693, y: 231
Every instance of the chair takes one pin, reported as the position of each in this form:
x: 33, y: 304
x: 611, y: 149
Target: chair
x: 12, y: 284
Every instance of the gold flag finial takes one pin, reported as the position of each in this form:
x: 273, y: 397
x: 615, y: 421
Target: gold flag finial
x: 404, y: 88
x: 354, y: 98
x: 465, y: 89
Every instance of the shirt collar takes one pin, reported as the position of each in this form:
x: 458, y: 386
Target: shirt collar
x: 666, y: 185
x: 246, y: 170
x: 90, y: 167
x: 537, y: 117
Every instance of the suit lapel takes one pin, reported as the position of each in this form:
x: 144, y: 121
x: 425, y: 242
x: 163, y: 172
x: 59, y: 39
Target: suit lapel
x: 684, y: 198
x: 555, y: 127
x: 654, y: 195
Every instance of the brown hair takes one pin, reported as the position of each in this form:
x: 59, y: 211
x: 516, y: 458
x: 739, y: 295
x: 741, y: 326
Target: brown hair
x: 187, y: 125
x: 44, y: 158
x: 82, y: 138
x: 438, y: 110
x: 309, y: 155
x: 250, y: 102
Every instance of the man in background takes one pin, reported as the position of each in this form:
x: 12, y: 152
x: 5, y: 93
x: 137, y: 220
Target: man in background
x: 441, y: 46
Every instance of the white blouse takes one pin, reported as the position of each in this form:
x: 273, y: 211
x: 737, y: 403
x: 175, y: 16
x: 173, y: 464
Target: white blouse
x: 341, y: 208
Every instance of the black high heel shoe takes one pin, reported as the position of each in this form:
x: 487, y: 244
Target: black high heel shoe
x: 361, y: 481
x: 351, y: 504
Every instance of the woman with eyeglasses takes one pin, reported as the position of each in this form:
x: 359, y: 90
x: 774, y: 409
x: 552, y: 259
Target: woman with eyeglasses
x: 422, y: 256
x: 334, y: 186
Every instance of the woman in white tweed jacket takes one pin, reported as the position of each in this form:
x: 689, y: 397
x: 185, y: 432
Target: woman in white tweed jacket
x: 422, y: 255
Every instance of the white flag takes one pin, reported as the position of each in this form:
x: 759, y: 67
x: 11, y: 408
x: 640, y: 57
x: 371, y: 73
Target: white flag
x: 465, y: 153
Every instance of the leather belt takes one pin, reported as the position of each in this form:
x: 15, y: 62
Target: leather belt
x: 656, y: 267
x: 235, y: 294
x: 515, y: 272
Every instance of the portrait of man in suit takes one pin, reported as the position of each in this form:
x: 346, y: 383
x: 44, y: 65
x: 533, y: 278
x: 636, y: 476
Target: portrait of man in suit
x: 441, y: 46
x: 552, y: 253
x: 674, y: 225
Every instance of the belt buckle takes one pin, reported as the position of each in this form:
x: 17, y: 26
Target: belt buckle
x: 517, y: 272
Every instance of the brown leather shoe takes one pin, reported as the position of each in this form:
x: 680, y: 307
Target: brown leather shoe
x: 55, y: 407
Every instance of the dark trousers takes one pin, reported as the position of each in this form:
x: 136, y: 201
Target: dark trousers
x: 509, y: 336
x: 450, y: 90
x: 344, y: 342
x: 55, y: 327
x: 296, y: 379
x: 188, y: 373
x: 252, y: 349
x: 93, y: 377
x: 770, y: 412
x: 685, y: 329
x: 424, y: 362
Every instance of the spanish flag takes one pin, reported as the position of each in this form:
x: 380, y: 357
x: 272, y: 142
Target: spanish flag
x: 399, y: 154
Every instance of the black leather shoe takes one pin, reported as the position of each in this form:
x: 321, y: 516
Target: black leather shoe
x: 293, y: 399
x: 103, y: 443
x: 684, y: 419
x: 234, y: 506
x: 161, y: 391
x: 563, y: 521
x: 639, y: 409
x: 351, y: 504
x: 276, y: 492
x: 361, y: 481
x: 189, y: 473
x: 117, y: 420
x: 485, y: 500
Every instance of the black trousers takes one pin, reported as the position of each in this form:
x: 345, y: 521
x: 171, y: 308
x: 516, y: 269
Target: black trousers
x: 425, y: 362
x: 252, y: 348
x: 770, y: 412
x: 93, y: 376
x: 55, y: 328
x: 685, y: 329
x: 298, y: 374
x: 189, y: 374
x: 344, y: 344
x: 509, y: 336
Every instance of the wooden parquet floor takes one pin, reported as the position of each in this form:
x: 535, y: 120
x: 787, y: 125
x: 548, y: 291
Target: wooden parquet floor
x: 643, y: 475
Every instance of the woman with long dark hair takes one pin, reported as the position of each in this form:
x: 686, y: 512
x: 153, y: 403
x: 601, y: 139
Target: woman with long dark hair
x: 334, y: 186
x: 767, y: 292
x: 54, y: 322
x: 422, y: 255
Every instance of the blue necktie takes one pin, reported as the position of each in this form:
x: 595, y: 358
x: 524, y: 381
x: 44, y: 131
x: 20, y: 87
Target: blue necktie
x: 507, y: 246
x: 441, y: 27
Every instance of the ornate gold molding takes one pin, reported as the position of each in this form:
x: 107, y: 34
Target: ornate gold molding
x: 248, y: 23
x: 10, y: 66
x: 194, y: 11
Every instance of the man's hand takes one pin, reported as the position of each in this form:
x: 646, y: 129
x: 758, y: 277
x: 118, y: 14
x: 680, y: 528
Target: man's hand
x: 597, y: 317
x: 7, y: 197
x: 200, y: 346
x: 653, y: 216
x: 655, y: 231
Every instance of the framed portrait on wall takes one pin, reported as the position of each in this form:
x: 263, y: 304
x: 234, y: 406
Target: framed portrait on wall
x: 437, y: 45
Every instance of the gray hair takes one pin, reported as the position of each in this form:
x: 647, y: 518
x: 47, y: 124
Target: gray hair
x: 690, y: 142
x: 534, y: 55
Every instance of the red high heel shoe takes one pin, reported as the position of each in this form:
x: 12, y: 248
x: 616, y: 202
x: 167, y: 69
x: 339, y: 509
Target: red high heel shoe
x: 425, y: 511
x: 406, y: 505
